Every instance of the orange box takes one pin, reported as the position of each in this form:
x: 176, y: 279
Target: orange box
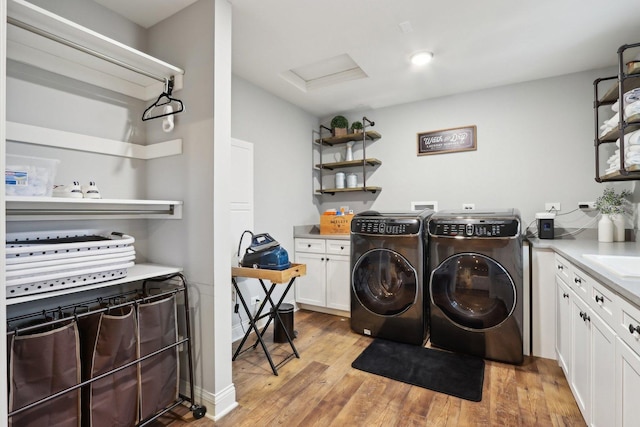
x: 335, y: 224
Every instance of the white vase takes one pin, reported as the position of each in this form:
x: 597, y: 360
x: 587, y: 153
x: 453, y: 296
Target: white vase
x: 618, y: 227
x: 349, y: 155
x: 605, y: 229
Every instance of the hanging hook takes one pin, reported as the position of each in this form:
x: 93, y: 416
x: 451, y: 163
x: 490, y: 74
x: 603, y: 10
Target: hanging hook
x: 168, y: 89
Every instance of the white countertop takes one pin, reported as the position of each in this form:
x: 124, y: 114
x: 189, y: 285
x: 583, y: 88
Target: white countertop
x: 573, y: 249
x: 313, y: 232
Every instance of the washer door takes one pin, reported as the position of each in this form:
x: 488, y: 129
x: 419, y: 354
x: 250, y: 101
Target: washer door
x: 473, y: 291
x: 384, y: 282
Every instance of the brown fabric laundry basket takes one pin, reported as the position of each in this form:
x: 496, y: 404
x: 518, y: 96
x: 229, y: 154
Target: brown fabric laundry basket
x: 158, y: 328
x: 109, y: 340
x: 42, y: 364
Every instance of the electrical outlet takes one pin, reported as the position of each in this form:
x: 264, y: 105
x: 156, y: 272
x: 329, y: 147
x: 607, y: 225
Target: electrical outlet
x: 255, y: 300
x: 552, y: 207
x: 468, y: 206
x: 587, y: 206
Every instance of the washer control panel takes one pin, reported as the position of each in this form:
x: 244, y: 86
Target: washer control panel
x: 386, y: 226
x: 475, y: 227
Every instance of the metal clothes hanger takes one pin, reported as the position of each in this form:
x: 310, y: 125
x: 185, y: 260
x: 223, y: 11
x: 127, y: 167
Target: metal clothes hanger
x: 163, y: 100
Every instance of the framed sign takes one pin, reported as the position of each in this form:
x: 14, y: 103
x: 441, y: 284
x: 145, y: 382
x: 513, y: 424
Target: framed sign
x: 447, y: 141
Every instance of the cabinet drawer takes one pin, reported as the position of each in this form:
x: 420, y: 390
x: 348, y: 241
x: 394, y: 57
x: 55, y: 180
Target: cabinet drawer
x: 628, y: 325
x: 580, y: 283
x: 604, y: 302
x: 563, y: 269
x: 338, y: 247
x: 310, y: 245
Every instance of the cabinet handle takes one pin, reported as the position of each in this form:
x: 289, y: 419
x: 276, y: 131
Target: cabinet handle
x: 577, y: 280
x: 342, y: 248
x: 308, y: 245
x: 560, y: 267
x: 322, y: 259
x: 585, y: 316
x: 565, y: 295
x: 633, y: 329
x: 327, y: 259
x: 599, y: 298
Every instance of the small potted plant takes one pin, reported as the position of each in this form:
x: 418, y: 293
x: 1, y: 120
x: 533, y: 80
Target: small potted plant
x: 611, y: 227
x: 339, y: 125
x: 356, y: 127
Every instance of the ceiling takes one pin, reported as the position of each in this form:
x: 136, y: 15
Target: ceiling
x: 476, y: 44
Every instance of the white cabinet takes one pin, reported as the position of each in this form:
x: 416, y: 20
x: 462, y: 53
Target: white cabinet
x: 326, y: 284
x: 563, y: 324
x: 627, y: 328
x: 628, y: 385
x: 603, y: 372
x: 580, y: 378
x: 602, y: 368
x: 311, y: 288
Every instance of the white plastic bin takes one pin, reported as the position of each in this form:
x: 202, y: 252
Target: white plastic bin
x: 29, y: 176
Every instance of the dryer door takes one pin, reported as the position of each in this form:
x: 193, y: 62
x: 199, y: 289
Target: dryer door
x: 473, y: 291
x: 384, y: 282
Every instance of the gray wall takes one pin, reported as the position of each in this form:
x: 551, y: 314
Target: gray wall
x: 281, y: 134
x: 534, y: 145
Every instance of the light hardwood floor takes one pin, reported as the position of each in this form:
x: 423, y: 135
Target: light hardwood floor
x: 322, y: 389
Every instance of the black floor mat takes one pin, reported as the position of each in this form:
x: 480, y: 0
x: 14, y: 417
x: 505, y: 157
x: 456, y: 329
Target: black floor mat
x: 458, y: 375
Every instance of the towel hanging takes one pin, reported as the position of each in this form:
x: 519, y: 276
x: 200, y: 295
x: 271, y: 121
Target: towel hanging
x: 163, y: 100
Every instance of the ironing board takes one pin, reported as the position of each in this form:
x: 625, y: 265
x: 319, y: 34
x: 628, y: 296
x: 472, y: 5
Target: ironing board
x: 276, y: 277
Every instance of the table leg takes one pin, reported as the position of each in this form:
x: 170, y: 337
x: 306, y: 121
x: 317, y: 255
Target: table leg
x: 254, y: 327
x: 276, y: 311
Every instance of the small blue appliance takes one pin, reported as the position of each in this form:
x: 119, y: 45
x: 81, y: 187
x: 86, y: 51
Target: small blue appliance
x: 264, y: 252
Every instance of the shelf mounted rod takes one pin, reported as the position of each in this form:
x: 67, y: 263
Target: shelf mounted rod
x: 83, y: 49
x: 169, y: 211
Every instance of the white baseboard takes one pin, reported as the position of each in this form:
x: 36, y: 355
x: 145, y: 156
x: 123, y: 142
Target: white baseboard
x: 218, y: 405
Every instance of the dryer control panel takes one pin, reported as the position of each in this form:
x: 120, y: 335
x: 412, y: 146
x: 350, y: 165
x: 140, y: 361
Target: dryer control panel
x: 386, y: 226
x: 475, y: 228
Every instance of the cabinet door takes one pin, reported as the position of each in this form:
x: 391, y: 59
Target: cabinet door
x: 580, y: 378
x: 311, y: 288
x: 339, y: 282
x: 563, y: 326
x: 628, y: 385
x: 603, y: 373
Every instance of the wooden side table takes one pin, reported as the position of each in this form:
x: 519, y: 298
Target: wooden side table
x: 276, y: 277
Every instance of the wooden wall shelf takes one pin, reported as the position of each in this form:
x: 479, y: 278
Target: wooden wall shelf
x: 370, y: 135
x: 352, y: 163
x: 347, y: 190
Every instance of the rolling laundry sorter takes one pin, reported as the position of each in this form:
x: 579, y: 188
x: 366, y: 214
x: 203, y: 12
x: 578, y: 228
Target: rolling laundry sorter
x: 326, y: 287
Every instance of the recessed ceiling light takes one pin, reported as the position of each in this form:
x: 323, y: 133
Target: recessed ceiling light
x: 421, y: 58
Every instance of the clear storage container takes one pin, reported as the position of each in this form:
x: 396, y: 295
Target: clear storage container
x: 29, y: 176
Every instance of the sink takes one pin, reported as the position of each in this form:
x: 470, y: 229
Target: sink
x: 625, y: 266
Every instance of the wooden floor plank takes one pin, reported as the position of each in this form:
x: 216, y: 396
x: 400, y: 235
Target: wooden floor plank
x: 322, y: 389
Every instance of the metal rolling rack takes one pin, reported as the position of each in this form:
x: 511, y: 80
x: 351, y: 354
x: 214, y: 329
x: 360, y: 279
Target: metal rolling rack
x: 198, y: 410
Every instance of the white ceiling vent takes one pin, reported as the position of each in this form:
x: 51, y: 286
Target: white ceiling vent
x: 324, y: 73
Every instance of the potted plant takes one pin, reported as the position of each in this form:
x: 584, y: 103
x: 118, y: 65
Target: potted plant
x: 611, y: 207
x: 339, y: 125
x: 356, y: 127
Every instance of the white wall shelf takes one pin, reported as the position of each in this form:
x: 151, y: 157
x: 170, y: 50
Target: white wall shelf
x: 136, y: 273
x: 74, y: 141
x: 40, y: 38
x: 54, y: 208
